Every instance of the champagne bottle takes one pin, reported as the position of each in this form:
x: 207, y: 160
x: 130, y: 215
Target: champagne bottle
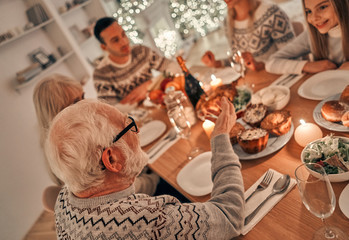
x: 192, y: 85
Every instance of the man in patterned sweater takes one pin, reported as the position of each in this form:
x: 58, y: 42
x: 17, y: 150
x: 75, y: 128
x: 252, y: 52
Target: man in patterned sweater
x: 125, y: 73
x: 99, y: 202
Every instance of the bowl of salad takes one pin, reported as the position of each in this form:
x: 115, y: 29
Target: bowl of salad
x: 332, y: 153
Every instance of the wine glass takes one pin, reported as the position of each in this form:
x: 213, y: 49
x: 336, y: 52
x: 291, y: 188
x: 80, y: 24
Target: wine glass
x: 237, y: 63
x: 318, y: 197
x: 182, y: 126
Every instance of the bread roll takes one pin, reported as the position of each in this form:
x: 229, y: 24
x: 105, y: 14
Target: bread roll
x: 333, y: 110
x: 254, y: 114
x: 277, y: 123
x: 345, y: 95
x: 345, y: 119
x: 235, y: 132
x: 253, y: 140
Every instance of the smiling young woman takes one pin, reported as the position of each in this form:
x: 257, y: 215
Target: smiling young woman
x: 326, y: 40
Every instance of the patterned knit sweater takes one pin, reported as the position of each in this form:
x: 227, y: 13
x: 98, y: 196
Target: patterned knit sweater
x: 125, y: 215
x: 270, y: 31
x: 113, y: 81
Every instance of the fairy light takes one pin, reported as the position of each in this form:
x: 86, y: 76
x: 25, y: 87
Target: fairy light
x: 189, y: 16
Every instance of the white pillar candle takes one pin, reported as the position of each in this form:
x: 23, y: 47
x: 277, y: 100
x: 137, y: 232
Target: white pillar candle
x: 215, y: 82
x: 306, y: 133
x: 208, y: 127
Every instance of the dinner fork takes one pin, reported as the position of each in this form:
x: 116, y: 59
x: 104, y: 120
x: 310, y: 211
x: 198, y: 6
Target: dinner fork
x: 264, y: 184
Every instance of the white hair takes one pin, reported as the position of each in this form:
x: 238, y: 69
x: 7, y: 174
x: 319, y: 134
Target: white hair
x: 76, y: 140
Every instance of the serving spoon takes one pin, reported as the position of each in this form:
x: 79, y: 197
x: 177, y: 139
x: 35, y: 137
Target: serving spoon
x: 279, y: 186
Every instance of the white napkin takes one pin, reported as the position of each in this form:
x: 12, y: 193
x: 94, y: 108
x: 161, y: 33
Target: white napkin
x: 259, y: 197
x: 289, y: 82
x: 162, y: 150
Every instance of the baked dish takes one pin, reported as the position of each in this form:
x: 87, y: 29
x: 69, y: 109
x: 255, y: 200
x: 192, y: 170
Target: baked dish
x: 278, y: 122
x: 235, y: 132
x: 254, y: 114
x: 240, y: 97
x: 253, y: 140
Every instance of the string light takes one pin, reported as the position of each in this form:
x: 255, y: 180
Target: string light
x: 189, y: 16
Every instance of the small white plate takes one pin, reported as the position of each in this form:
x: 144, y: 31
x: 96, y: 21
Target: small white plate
x: 343, y: 201
x: 195, y: 177
x: 151, y: 131
x: 324, y: 84
x: 319, y: 119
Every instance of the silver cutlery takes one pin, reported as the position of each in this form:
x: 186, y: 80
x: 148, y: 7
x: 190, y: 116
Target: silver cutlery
x: 279, y: 187
x: 263, y: 184
x: 286, y: 79
x: 170, y: 136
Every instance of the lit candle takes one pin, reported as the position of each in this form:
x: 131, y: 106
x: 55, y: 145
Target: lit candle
x: 215, y: 82
x: 208, y: 127
x: 306, y: 133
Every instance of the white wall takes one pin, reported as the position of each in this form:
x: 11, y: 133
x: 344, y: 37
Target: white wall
x: 23, y: 175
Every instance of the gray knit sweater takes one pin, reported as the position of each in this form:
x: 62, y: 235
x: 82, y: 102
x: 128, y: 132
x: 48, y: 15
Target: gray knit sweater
x: 126, y: 215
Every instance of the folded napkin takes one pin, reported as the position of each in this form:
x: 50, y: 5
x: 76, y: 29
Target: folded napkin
x: 259, y: 197
x: 162, y: 150
x: 287, y: 82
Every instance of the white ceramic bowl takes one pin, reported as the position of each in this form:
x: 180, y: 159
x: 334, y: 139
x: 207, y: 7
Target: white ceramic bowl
x: 340, y: 177
x: 274, y: 97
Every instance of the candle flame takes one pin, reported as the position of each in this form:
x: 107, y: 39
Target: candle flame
x: 302, y: 122
x: 213, y: 77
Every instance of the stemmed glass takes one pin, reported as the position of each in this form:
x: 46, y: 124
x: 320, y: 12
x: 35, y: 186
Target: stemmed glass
x: 237, y: 62
x: 318, y: 197
x: 182, y: 126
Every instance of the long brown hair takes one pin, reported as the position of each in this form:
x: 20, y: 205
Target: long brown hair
x: 319, y: 41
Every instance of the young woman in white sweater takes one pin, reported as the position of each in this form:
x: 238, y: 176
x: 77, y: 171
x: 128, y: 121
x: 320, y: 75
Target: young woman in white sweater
x: 327, y: 41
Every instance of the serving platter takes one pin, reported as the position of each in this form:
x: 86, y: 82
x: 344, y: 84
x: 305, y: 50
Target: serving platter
x: 321, y: 121
x: 274, y: 144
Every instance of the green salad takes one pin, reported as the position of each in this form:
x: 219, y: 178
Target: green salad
x: 242, y: 99
x: 322, y: 151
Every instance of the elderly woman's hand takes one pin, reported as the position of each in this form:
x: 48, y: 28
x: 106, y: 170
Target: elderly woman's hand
x: 226, y: 119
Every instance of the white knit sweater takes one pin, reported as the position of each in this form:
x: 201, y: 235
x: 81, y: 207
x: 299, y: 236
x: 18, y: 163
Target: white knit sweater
x: 287, y: 59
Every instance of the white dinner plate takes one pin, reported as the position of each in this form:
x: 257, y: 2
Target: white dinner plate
x: 274, y: 144
x: 324, y: 84
x: 195, y: 177
x: 319, y: 119
x: 151, y: 131
x: 343, y: 201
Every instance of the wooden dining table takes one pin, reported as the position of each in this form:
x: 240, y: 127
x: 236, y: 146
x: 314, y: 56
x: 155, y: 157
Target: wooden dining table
x: 288, y: 219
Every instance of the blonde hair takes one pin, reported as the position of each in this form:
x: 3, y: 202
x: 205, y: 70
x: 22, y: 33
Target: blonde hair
x: 51, y: 95
x: 253, y: 5
x: 319, y: 41
x: 76, y: 140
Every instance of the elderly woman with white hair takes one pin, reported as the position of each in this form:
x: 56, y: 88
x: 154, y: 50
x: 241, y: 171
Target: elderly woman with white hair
x: 95, y: 150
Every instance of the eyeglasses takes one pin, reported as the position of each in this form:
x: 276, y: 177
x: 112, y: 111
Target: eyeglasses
x: 131, y: 126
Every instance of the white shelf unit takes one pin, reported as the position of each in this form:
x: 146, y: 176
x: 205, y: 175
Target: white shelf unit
x: 72, y: 58
x: 82, y: 17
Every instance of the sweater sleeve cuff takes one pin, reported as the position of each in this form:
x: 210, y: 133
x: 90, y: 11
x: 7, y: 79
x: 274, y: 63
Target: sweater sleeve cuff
x: 221, y: 143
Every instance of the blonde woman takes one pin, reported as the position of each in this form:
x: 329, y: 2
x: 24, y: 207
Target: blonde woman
x: 327, y: 40
x: 51, y: 95
x: 257, y: 29
x: 56, y: 92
